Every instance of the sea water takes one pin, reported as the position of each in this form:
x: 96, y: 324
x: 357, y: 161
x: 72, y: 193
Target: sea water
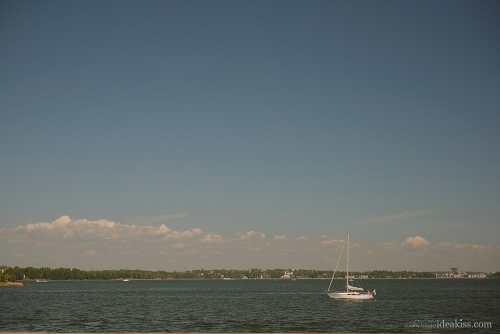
x: 411, y: 305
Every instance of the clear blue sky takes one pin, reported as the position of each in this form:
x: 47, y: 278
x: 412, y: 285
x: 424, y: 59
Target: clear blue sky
x: 297, y: 120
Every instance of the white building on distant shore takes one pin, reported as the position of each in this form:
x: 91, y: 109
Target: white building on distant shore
x: 456, y: 273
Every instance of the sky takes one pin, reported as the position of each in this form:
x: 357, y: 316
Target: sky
x: 179, y: 135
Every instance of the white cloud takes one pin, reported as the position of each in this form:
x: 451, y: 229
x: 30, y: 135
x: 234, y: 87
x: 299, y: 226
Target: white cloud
x: 479, y: 248
x: 416, y: 253
x: 91, y: 252
x: 183, y: 235
x: 65, y: 228
x: 326, y: 240
x: 149, y: 247
x: 251, y: 234
x: 415, y: 242
x: 212, y: 238
x: 388, y: 245
x: 289, y: 238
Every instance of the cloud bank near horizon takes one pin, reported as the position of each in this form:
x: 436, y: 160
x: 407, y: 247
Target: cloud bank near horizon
x: 106, y: 244
x: 66, y: 229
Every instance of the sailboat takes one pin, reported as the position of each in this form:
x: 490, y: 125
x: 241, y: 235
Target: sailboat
x: 351, y: 292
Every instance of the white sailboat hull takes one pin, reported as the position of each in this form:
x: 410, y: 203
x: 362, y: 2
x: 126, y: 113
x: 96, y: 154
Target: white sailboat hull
x: 351, y: 292
x: 349, y: 295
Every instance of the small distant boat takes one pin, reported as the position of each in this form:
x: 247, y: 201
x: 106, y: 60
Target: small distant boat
x: 351, y: 292
x: 125, y: 279
x: 41, y: 281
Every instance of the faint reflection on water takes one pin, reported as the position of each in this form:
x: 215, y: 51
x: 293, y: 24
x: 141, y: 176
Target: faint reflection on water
x: 243, y: 306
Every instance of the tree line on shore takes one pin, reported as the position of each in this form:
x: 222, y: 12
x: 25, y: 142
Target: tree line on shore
x: 47, y: 273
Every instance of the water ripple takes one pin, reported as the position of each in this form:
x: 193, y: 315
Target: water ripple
x: 243, y: 306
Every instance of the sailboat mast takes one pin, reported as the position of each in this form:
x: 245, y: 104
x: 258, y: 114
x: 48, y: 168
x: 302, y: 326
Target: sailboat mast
x: 347, y: 276
x: 333, y: 276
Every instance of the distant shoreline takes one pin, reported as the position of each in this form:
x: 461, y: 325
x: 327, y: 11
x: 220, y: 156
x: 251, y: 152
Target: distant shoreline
x: 241, y: 279
x: 64, y: 274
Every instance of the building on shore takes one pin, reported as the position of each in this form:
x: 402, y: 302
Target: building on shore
x: 456, y: 273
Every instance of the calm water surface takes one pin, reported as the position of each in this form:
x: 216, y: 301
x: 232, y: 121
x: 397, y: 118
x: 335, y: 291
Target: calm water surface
x: 247, y: 306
